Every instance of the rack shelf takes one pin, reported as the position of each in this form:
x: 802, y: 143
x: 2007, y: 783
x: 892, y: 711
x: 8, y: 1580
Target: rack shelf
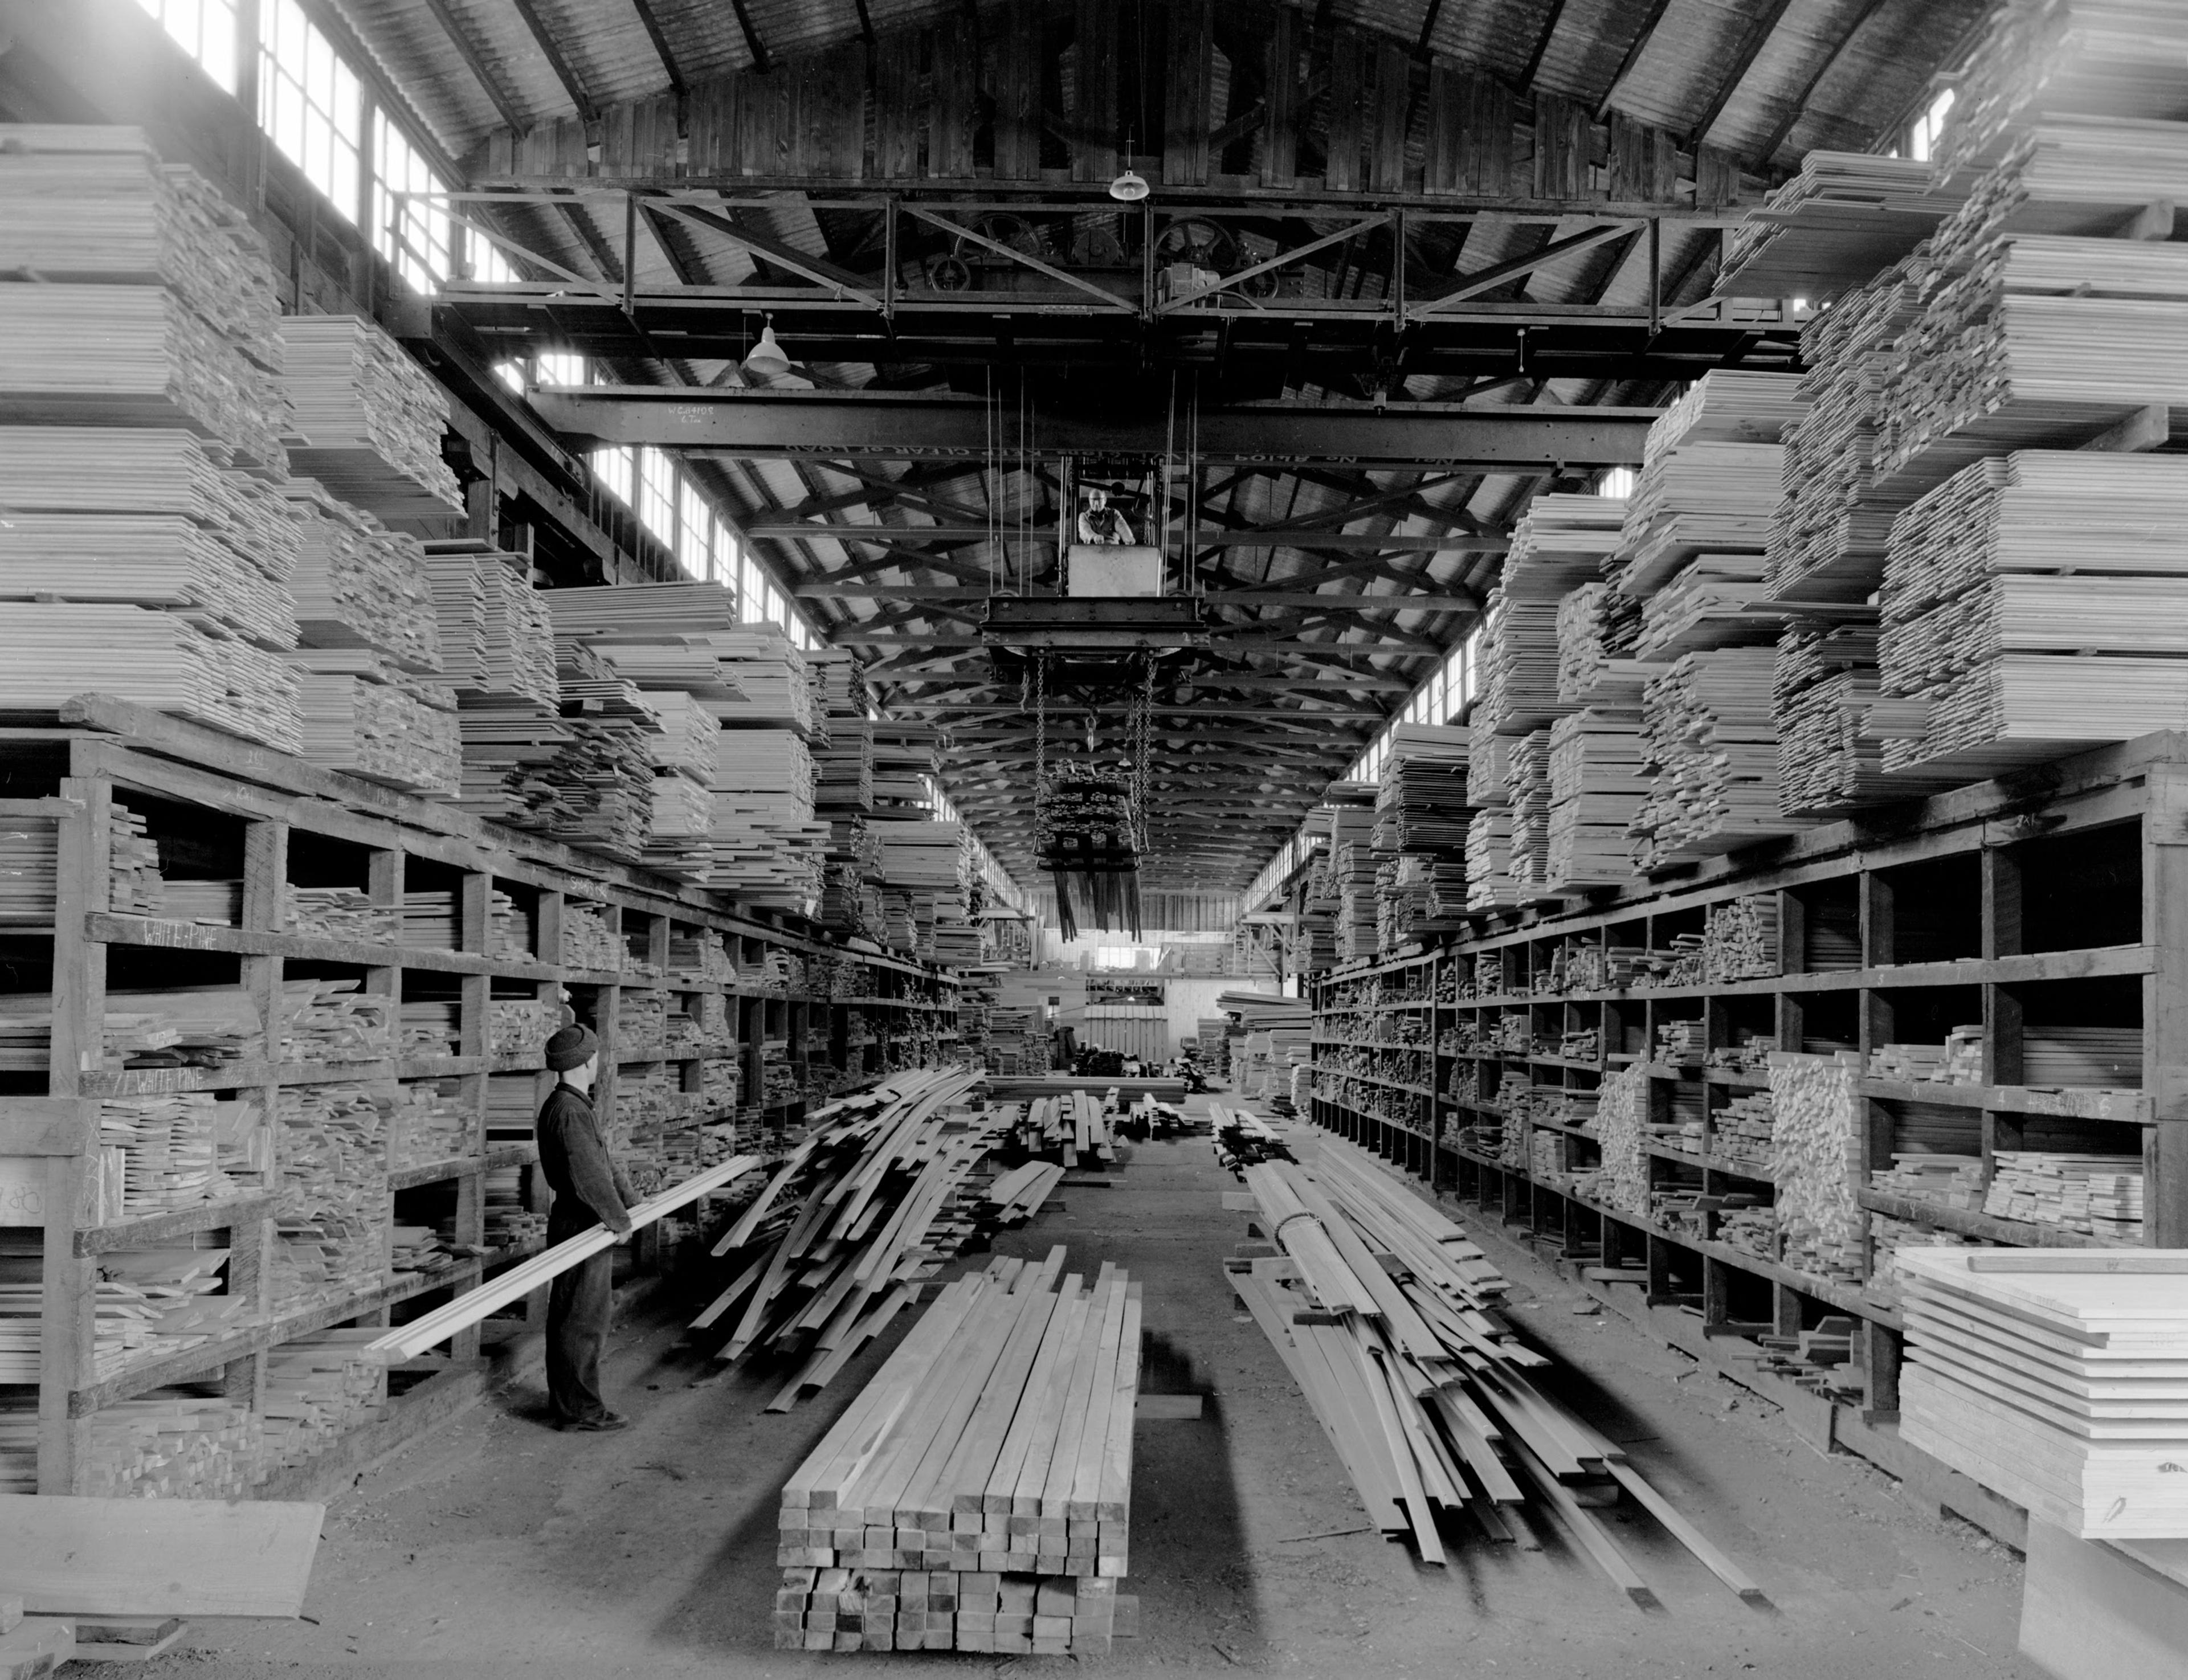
x: 778, y: 1005
x: 1989, y: 940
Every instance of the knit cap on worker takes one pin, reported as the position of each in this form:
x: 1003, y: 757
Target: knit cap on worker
x: 571, y: 1047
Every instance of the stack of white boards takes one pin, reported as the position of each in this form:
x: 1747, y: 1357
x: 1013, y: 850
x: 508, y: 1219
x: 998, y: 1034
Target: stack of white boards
x: 368, y: 420
x: 1844, y: 217
x: 977, y: 1496
x: 2057, y: 1378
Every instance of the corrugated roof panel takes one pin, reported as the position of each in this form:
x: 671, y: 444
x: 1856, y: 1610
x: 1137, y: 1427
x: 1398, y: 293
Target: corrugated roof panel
x: 416, y: 56
x: 1591, y: 38
x: 606, y: 47
x: 1677, y: 74
x: 703, y: 34
x: 1499, y: 36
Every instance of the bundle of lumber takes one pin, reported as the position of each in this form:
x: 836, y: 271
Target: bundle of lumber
x: 1714, y: 601
x: 683, y: 739
x: 134, y: 356
x: 1739, y: 939
x: 2061, y: 1188
x: 1491, y: 882
x: 1817, y: 1112
x: 2036, y: 58
x: 1421, y: 804
x: 2090, y: 177
x: 1074, y: 1126
x: 1597, y: 780
x: 1387, y: 1317
x: 1017, y: 1195
x: 1973, y: 591
x: 866, y: 1207
x: 2046, y: 339
x: 1599, y: 628
x: 1519, y: 663
x: 1830, y: 228
x: 686, y: 636
x: 162, y: 561
x: 497, y: 617
x: 56, y: 649
x: 147, y: 471
x: 1731, y: 405
x: 1622, y: 1116
x: 1708, y: 736
x: 1701, y: 496
x: 361, y: 716
x: 987, y: 1469
x: 1833, y: 522
x: 843, y: 771
x: 331, y: 1217
x: 1417, y: 895
x: 2045, y: 1375
x: 926, y: 855
x: 359, y: 585
x: 94, y: 204
x: 158, y: 1153
x: 1530, y: 787
x: 367, y: 419
x: 1823, y: 690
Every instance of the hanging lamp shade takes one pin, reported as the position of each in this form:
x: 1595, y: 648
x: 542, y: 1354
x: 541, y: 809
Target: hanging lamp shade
x: 766, y: 359
x: 1130, y: 188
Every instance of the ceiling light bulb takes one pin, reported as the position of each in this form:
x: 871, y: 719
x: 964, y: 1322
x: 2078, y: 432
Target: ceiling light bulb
x: 1130, y: 188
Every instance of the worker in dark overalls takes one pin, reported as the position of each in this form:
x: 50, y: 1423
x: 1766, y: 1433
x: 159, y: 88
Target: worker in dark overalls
x: 590, y: 1189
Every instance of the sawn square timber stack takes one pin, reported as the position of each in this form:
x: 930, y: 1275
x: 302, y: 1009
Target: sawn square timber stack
x: 977, y: 1496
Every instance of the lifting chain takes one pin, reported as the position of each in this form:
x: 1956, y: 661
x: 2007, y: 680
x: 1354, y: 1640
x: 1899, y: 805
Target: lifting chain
x: 1040, y: 674
x: 1140, y: 743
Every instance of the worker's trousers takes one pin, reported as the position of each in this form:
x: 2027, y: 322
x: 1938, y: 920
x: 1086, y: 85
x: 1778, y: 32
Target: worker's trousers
x: 578, y: 1307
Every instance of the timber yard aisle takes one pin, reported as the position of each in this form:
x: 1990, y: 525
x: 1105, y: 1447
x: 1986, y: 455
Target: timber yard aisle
x: 495, y: 1546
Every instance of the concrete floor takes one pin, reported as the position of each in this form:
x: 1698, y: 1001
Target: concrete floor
x: 498, y: 1547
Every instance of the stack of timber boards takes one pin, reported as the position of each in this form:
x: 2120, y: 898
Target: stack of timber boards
x: 2056, y: 1378
x: 1844, y: 217
x: 984, y: 1475
x: 862, y: 1212
x: 1421, y: 806
x: 2016, y: 660
x: 1386, y: 1317
x: 2118, y: 58
x: 368, y: 420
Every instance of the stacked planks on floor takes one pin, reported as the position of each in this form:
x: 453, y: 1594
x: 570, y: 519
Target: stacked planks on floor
x: 866, y: 1207
x: 978, y: 1494
x: 367, y: 419
x: 1386, y: 1317
x: 2053, y: 1377
x: 2031, y: 601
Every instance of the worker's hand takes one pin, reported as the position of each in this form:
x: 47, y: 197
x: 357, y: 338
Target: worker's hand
x: 623, y: 1236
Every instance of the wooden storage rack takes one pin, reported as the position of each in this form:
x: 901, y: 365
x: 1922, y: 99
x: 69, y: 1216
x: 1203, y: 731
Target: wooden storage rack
x: 2058, y: 895
x: 277, y: 809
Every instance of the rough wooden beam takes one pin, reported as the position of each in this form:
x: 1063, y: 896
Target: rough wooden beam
x: 1798, y: 108
x: 564, y: 74
x: 474, y: 61
x: 1555, y: 15
x: 1654, y: 16
x: 1751, y: 45
x: 650, y: 21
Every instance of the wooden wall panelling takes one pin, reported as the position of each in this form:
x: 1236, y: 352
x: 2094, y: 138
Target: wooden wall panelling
x: 1643, y: 162
x: 955, y: 108
x: 1717, y: 179
x: 1564, y: 137
x: 1015, y: 84
x: 1188, y: 83
x: 1094, y: 116
x: 899, y: 113
x: 639, y: 137
x: 1469, y: 134
x: 1279, y: 147
x: 1393, y: 116
x: 557, y: 148
x: 714, y: 127
x: 764, y: 115
x: 829, y: 125
x: 1348, y: 112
